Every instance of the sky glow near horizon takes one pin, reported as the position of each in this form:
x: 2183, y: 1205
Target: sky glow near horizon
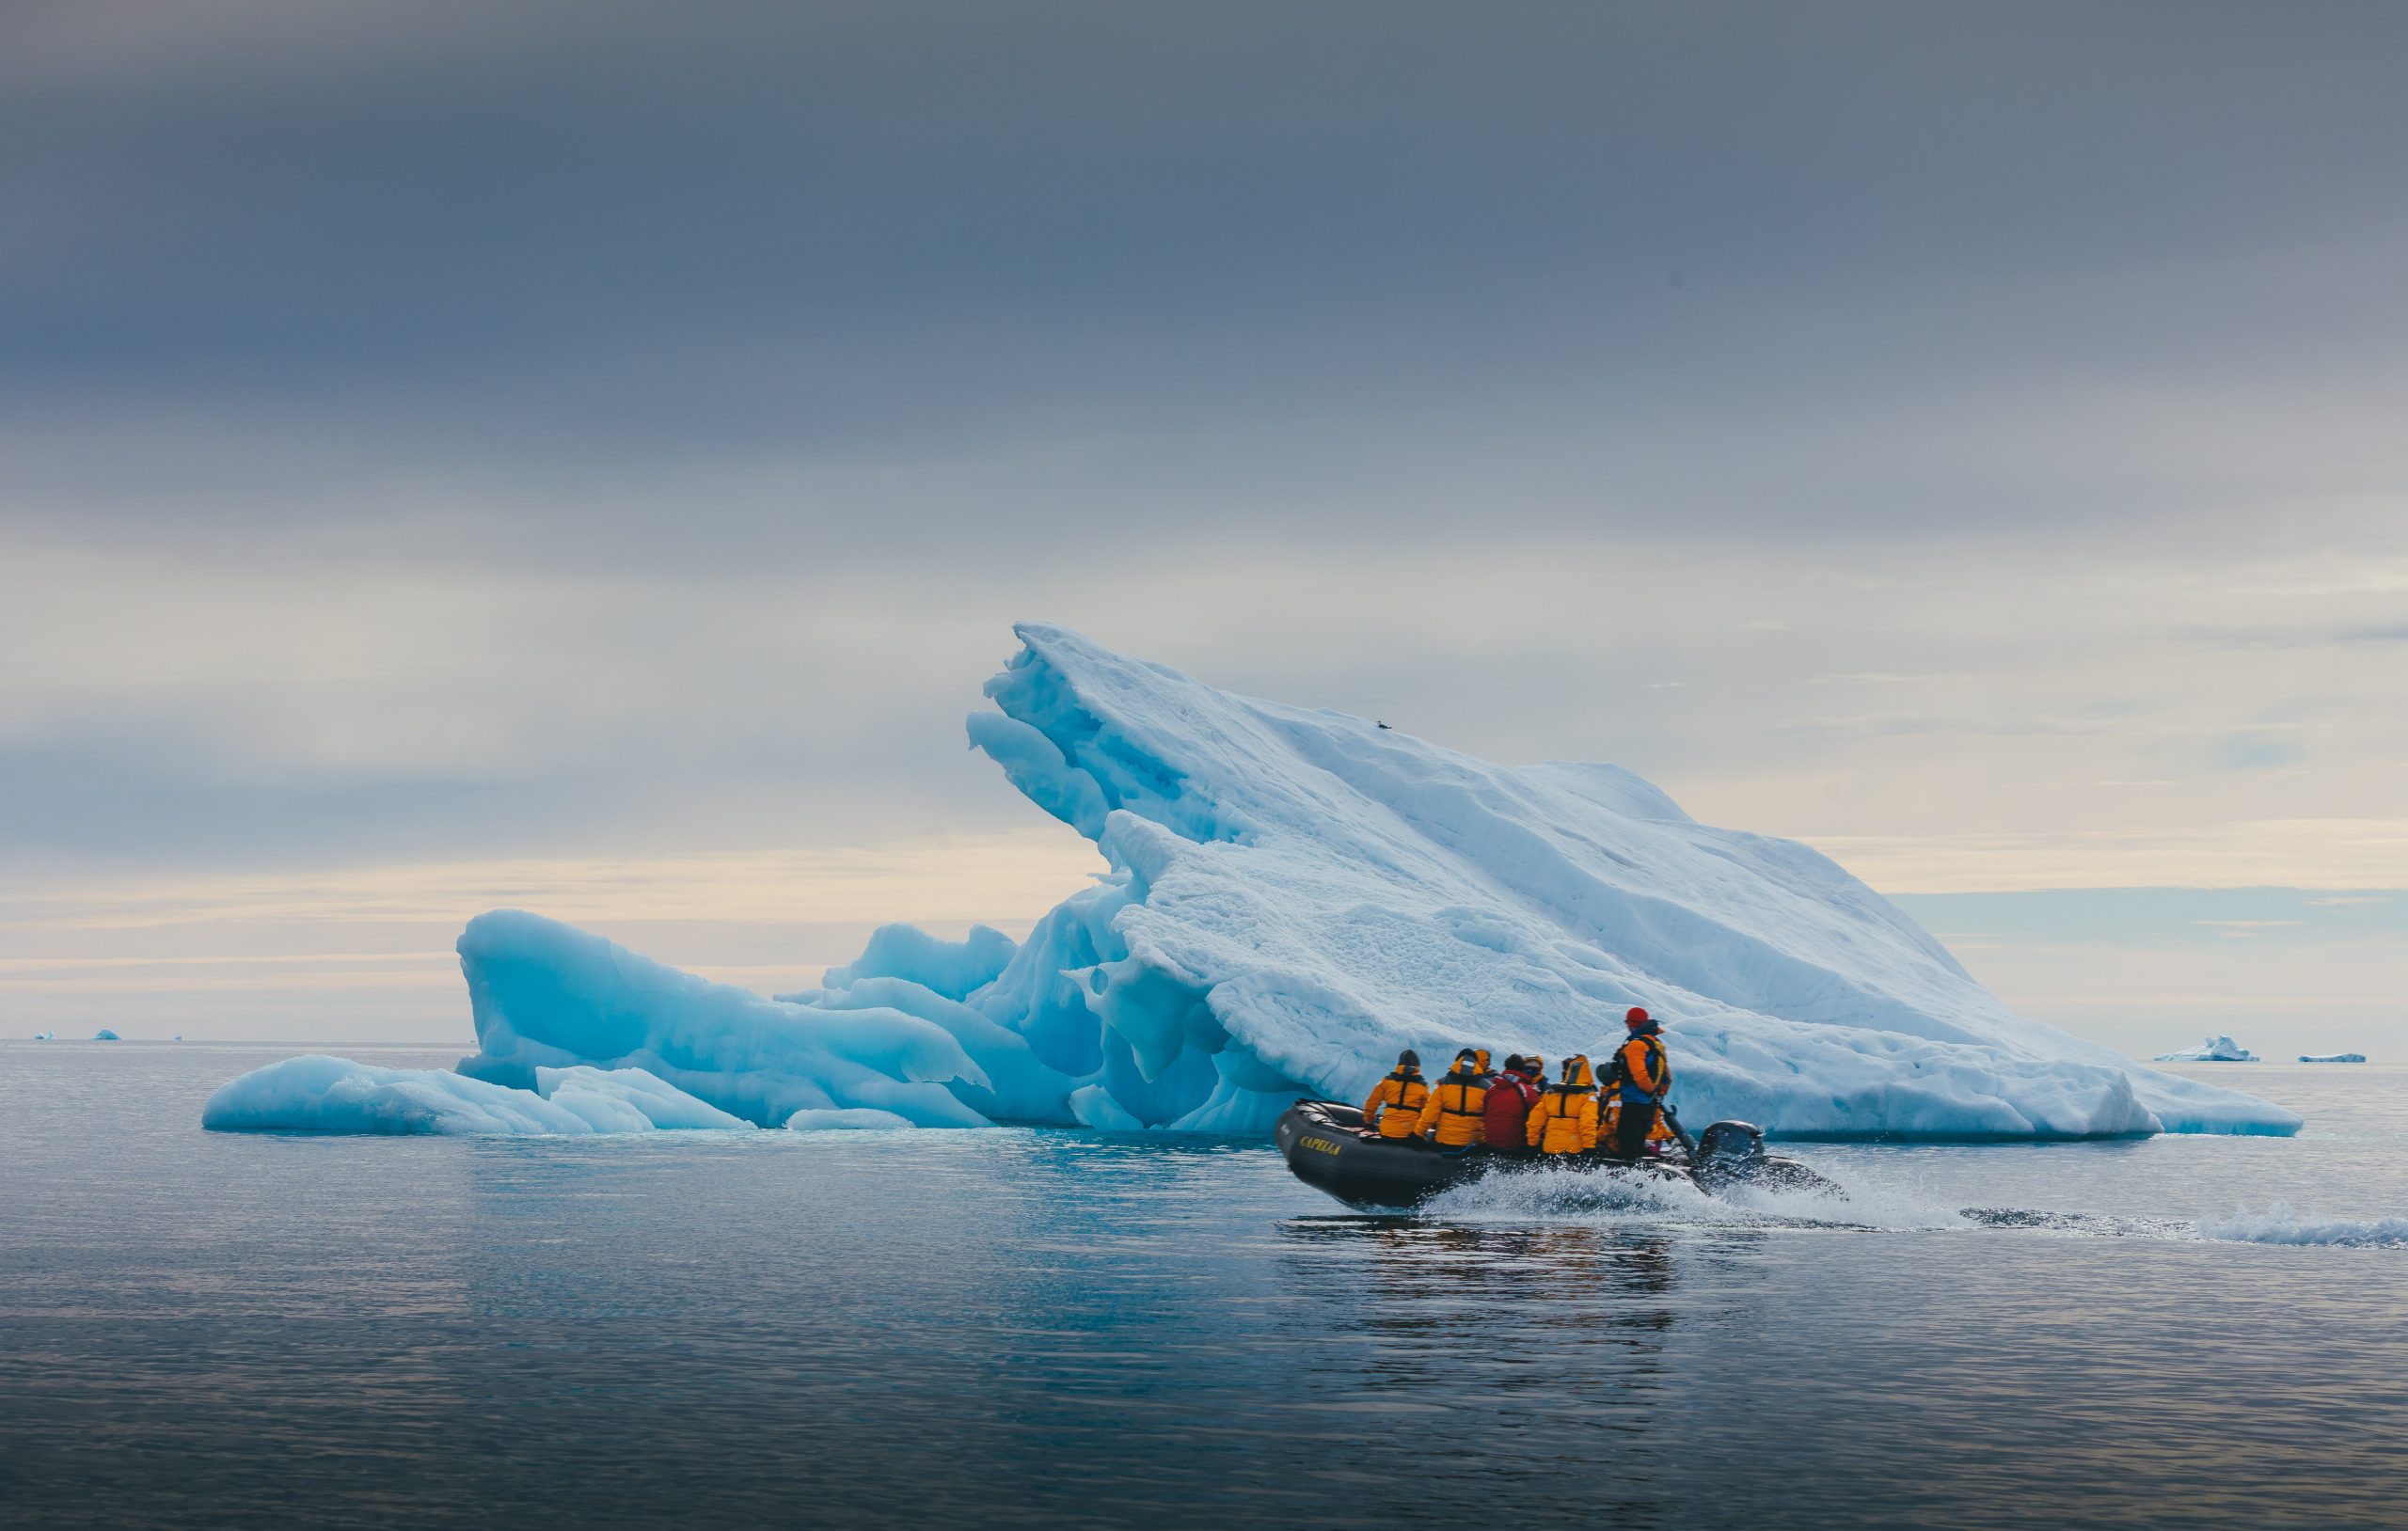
x: 589, y: 457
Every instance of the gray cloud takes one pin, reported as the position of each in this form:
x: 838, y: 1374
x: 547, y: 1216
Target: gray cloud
x: 443, y: 427
x: 1939, y: 269
x: 2314, y: 635
x: 1892, y: 725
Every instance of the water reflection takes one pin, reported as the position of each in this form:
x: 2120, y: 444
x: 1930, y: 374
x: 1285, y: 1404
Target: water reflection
x: 1559, y: 1331
x: 1554, y: 1266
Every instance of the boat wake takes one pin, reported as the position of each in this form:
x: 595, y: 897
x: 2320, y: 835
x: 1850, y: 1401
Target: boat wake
x: 2279, y: 1224
x: 1545, y: 1195
x: 1542, y: 1195
x: 2080, y: 1224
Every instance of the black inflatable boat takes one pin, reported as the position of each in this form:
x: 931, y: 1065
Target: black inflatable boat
x: 1327, y: 1147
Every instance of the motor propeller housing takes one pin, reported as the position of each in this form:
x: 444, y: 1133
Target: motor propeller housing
x: 1735, y: 1149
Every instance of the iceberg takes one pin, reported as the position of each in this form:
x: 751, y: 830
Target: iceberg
x: 1293, y: 896
x: 2215, y: 1049
x: 104, y: 1034
x: 2332, y: 1057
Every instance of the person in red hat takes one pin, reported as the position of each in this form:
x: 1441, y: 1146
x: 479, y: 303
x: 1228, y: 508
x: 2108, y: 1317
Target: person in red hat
x: 1642, y: 1075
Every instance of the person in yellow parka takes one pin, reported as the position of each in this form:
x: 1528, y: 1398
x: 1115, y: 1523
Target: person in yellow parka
x: 1456, y: 1115
x: 1564, y: 1121
x: 1395, y: 1104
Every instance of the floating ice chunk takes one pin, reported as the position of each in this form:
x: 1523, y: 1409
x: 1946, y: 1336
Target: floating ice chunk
x: 2215, y: 1049
x: 104, y: 1034
x: 854, y: 1120
x: 321, y: 1093
x: 2332, y: 1057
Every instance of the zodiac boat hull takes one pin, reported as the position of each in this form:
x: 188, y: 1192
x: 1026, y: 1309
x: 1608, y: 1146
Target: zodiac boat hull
x: 1326, y: 1146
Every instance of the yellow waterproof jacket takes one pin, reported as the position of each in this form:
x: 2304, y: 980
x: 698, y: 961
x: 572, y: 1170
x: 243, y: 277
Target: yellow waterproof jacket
x: 1564, y: 1120
x: 1458, y: 1108
x: 1395, y: 1104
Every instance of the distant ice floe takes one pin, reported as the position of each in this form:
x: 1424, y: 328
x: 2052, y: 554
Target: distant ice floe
x: 104, y: 1034
x: 1295, y: 895
x: 2332, y: 1057
x: 2215, y: 1049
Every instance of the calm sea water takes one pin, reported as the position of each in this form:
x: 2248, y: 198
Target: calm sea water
x: 1066, y: 1330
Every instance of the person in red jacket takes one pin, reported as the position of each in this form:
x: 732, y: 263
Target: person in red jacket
x: 1509, y: 1103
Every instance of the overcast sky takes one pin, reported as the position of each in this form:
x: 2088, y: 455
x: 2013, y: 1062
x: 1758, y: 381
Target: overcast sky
x: 590, y: 455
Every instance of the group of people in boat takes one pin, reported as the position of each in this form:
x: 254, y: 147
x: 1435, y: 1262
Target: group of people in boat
x: 1519, y: 1111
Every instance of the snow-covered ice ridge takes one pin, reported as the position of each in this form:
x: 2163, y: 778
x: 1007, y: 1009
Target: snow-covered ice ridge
x: 1294, y: 896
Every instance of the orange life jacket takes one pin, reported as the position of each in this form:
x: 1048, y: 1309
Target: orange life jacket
x: 1640, y: 1062
x: 1458, y: 1110
x: 1395, y: 1104
x: 1564, y: 1121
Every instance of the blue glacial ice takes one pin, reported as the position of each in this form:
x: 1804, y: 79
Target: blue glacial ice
x: 1294, y: 896
x: 546, y: 996
x: 318, y: 1094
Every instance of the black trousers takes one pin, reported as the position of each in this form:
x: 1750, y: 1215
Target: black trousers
x: 1630, y: 1132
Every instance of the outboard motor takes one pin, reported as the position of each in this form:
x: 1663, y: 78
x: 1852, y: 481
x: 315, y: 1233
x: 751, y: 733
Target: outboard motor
x: 1728, y: 1151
